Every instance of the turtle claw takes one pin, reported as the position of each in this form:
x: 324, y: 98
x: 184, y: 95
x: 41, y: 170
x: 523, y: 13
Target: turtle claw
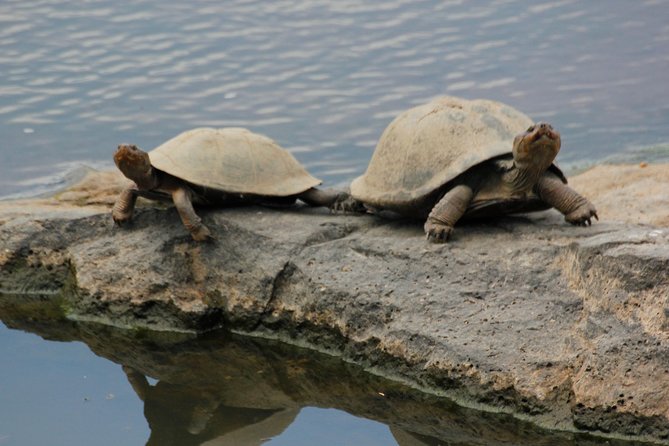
x: 202, y: 234
x: 347, y: 204
x: 437, y: 232
x: 583, y: 215
x: 121, y: 220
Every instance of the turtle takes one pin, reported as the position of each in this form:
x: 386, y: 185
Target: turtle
x: 208, y: 166
x: 453, y: 157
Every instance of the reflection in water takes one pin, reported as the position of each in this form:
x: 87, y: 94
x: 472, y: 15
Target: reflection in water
x: 221, y: 389
x: 323, y: 78
x: 180, y: 415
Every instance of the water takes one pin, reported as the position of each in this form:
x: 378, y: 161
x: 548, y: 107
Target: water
x: 65, y: 383
x: 323, y: 78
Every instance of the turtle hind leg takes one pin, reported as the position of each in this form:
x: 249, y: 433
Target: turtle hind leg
x: 333, y: 199
x: 447, y: 212
x: 577, y: 209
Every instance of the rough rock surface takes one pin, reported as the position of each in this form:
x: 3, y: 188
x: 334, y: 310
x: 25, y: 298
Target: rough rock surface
x: 223, y: 389
x: 565, y: 326
x: 633, y: 193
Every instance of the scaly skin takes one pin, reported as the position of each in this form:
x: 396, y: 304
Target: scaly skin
x: 577, y: 209
x: 151, y: 183
x: 446, y: 212
x: 533, y: 152
x: 125, y: 205
x: 335, y: 200
x: 135, y: 165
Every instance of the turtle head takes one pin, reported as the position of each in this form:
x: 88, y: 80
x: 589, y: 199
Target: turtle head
x: 135, y: 165
x: 536, y: 147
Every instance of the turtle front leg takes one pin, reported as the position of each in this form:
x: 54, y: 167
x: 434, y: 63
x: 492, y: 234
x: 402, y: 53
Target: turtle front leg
x: 335, y: 200
x: 184, y: 204
x: 447, y: 212
x: 577, y: 209
x: 125, y: 205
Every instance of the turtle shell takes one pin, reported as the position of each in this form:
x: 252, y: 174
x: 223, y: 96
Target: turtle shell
x: 429, y: 145
x: 232, y: 160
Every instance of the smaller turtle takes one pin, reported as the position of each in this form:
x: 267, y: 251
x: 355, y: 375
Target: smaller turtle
x: 454, y: 158
x: 206, y: 166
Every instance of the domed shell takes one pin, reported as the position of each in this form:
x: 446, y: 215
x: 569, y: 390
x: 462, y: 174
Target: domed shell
x: 232, y: 160
x: 427, y: 146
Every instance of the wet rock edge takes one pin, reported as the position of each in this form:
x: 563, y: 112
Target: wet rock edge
x: 613, y: 263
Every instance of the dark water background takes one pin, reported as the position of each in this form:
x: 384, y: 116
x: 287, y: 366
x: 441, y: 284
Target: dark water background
x: 323, y: 78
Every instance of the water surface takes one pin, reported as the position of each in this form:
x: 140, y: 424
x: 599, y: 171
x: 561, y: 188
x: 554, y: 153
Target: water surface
x: 73, y: 383
x: 323, y: 78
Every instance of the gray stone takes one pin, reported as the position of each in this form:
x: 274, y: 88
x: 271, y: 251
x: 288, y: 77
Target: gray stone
x: 565, y: 326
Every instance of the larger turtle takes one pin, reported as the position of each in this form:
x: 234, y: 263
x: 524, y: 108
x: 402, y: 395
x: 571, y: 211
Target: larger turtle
x: 454, y: 157
x: 209, y: 166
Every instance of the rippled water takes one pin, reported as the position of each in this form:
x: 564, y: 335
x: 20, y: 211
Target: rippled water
x: 323, y: 78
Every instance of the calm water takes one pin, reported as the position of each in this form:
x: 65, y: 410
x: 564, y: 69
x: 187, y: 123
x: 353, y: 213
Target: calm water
x: 323, y: 78
x: 64, y: 383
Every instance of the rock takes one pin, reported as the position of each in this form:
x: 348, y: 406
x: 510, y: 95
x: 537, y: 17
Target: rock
x: 565, y: 326
x: 633, y: 193
x: 220, y: 388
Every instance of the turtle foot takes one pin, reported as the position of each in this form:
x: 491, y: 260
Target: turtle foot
x: 202, y: 234
x: 122, y: 218
x: 583, y: 215
x: 347, y: 204
x: 437, y: 232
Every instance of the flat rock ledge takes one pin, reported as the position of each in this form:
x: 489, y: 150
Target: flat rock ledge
x: 565, y: 326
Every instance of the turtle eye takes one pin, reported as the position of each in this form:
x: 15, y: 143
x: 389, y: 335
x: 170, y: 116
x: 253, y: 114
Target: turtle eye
x: 531, y: 128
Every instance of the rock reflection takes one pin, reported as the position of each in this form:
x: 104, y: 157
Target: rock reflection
x: 225, y: 389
